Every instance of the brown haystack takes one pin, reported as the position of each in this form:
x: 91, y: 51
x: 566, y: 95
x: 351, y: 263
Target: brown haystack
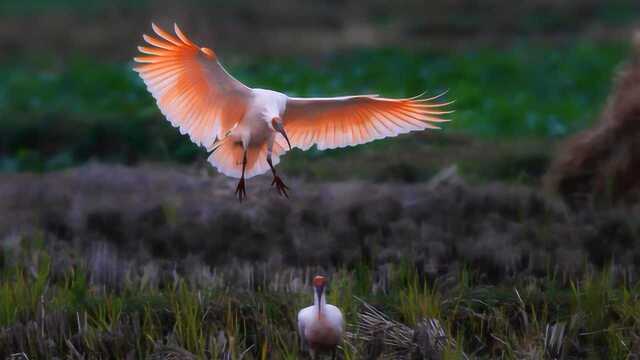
x: 603, y: 163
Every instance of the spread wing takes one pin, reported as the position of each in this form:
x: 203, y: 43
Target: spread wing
x: 192, y: 89
x: 352, y: 120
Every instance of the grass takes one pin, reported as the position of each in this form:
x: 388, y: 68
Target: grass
x: 57, y: 115
x: 142, y: 260
x: 49, y: 312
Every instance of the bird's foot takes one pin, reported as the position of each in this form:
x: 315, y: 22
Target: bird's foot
x: 282, y: 188
x: 241, y: 193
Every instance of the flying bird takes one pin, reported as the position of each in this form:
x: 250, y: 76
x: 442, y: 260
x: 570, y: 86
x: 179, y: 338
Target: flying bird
x: 247, y: 130
x: 321, y: 325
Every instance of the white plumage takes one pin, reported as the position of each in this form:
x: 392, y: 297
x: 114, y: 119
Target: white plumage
x: 320, y: 326
x: 249, y: 129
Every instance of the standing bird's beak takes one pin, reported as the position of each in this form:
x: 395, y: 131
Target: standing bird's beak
x: 319, y: 293
x: 319, y: 282
x: 277, y: 125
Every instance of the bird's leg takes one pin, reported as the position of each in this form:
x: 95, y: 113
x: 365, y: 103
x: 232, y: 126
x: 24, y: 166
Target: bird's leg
x: 240, y: 190
x: 282, y: 188
x: 334, y: 354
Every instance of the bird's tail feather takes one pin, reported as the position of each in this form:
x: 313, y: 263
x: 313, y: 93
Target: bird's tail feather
x: 227, y: 158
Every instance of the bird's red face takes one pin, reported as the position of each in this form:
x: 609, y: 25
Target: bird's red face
x: 319, y: 282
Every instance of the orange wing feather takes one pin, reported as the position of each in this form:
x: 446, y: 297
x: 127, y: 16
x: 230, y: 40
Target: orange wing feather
x: 352, y: 120
x: 191, y: 88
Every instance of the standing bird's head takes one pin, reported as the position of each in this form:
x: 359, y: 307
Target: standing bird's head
x: 276, y: 125
x: 319, y: 283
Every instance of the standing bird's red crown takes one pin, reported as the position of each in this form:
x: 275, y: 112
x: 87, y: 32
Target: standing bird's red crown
x: 319, y: 281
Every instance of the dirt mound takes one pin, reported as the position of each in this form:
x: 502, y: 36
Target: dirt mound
x: 603, y: 163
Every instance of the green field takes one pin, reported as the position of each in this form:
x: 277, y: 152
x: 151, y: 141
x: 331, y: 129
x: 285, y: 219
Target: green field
x: 55, y: 115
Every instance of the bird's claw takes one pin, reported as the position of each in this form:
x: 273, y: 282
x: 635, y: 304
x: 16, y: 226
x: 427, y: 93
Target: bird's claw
x: 282, y: 188
x: 240, y: 191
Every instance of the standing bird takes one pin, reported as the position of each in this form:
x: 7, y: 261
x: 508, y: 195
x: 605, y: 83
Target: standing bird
x: 239, y: 125
x: 321, y: 325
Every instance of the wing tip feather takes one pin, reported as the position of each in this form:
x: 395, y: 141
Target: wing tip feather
x: 160, y: 63
x: 182, y: 36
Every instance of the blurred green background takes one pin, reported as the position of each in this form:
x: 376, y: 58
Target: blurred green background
x: 68, y: 94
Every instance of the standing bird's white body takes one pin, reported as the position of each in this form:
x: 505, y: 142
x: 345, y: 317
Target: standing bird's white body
x: 248, y: 129
x: 320, y: 326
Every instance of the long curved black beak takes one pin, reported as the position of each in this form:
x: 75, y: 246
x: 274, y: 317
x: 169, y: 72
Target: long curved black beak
x: 279, y: 128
